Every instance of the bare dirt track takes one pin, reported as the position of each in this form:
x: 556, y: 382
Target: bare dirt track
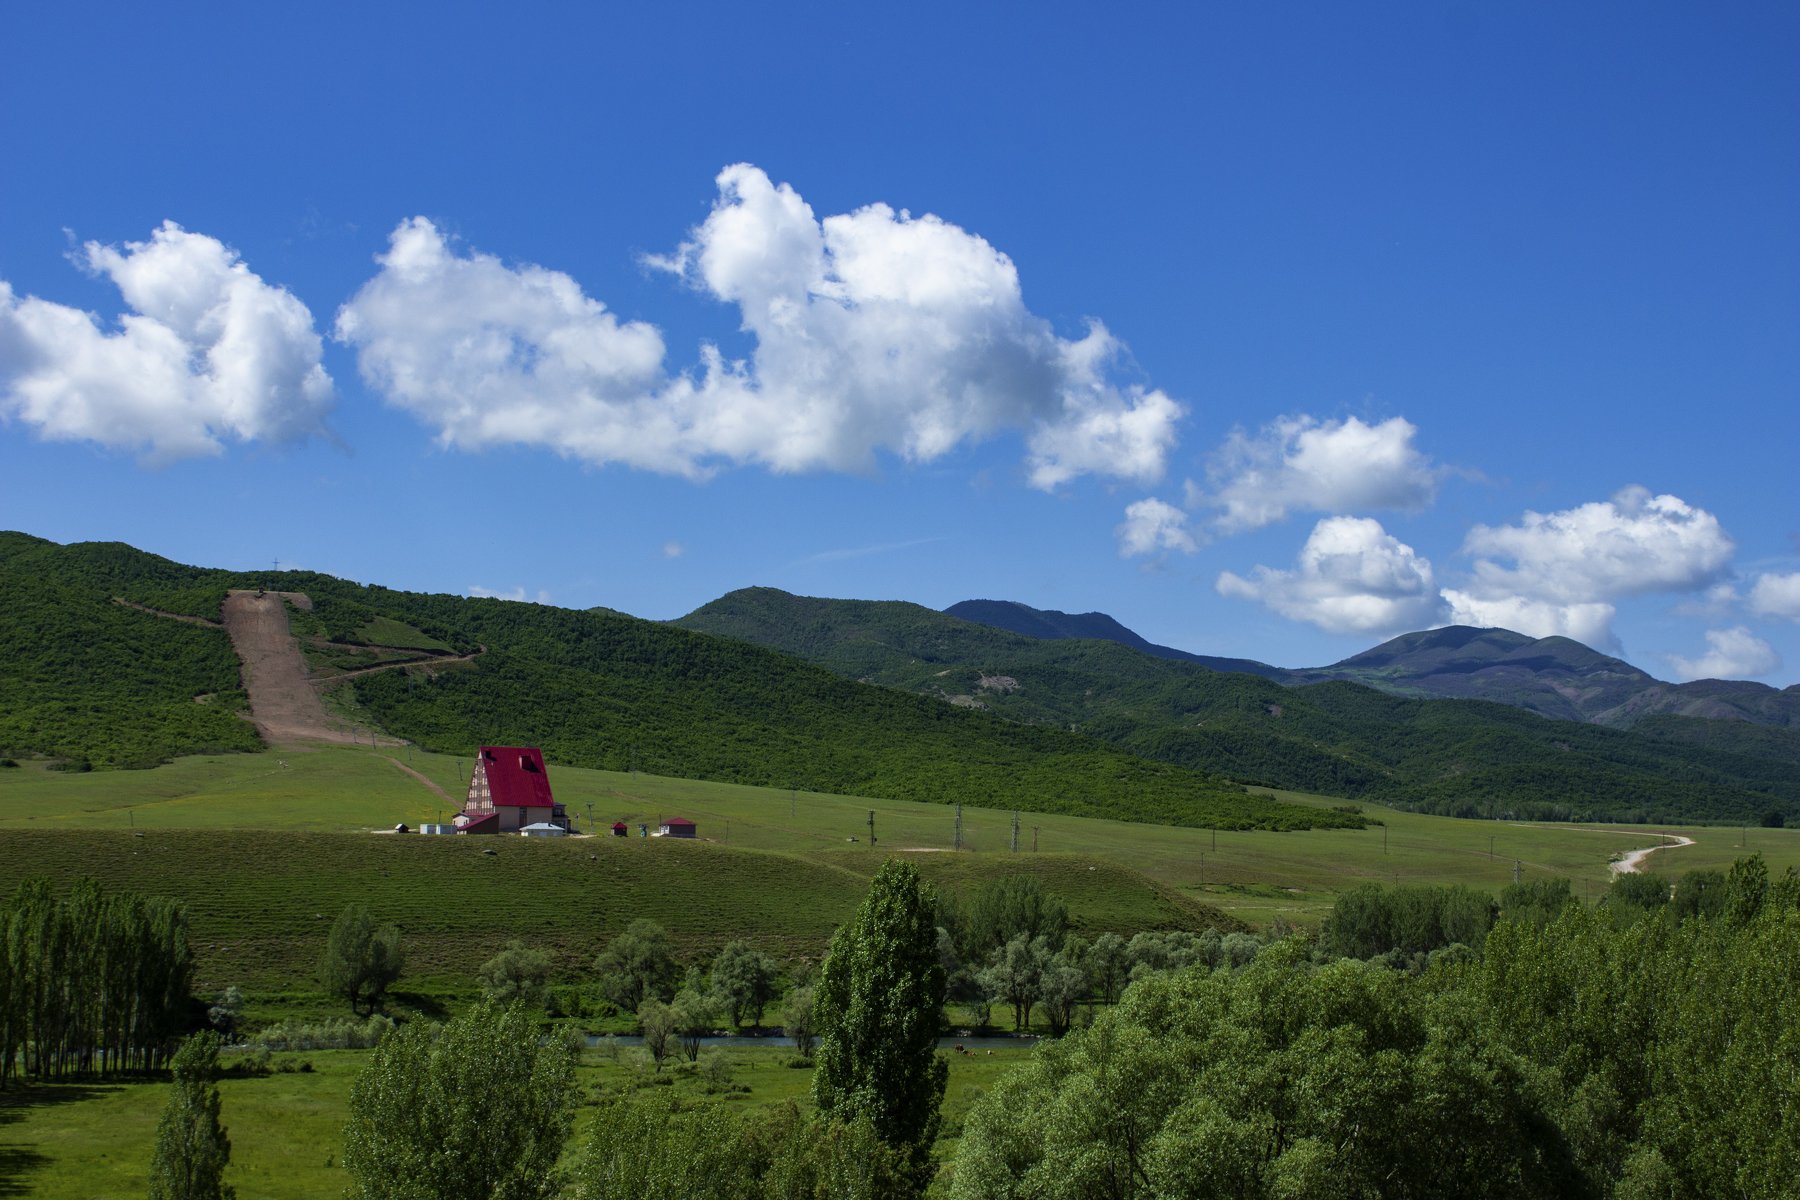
x: 1634, y: 861
x: 284, y: 704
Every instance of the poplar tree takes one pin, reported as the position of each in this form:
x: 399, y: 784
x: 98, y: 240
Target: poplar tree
x: 191, y: 1146
x: 879, y: 999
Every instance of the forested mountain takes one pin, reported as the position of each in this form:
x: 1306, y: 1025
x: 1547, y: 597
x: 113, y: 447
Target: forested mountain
x: 1555, y: 676
x: 92, y: 680
x: 1461, y: 757
x: 1049, y: 624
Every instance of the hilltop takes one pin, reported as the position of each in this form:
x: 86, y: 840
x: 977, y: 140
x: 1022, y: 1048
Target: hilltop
x: 1463, y: 757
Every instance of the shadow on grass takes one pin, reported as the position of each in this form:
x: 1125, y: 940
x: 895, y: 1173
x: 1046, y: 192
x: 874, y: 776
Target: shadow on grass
x: 18, y: 1163
x: 418, y: 1004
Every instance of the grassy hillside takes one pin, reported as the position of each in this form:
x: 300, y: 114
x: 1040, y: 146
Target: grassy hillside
x: 262, y: 902
x: 98, y: 683
x: 1468, y: 757
x: 593, y: 689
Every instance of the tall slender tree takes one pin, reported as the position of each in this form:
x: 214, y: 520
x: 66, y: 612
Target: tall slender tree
x: 192, y: 1148
x: 879, y: 1003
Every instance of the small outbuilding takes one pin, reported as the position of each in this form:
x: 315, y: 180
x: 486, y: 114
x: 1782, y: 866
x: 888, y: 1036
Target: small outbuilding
x: 677, y: 827
x: 620, y: 829
x: 543, y: 829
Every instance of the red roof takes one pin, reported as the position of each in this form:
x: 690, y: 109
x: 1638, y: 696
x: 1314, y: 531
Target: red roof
x: 678, y: 821
x: 516, y: 776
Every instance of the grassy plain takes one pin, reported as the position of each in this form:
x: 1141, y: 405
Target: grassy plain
x: 94, y: 1141
x: 1257, y: 876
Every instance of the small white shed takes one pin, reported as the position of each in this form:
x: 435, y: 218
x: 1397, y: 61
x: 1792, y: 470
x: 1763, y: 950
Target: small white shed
x: 543, y: 829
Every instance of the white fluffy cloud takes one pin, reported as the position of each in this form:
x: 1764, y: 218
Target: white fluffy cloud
x: 1568, y: 567
x: 1302, y: 464
x: 491, y: 355
x: 1152, y: 525
x: 1731, y: 654
x: 1777, y: 596
x: 874, y: 331
x: 1352, y: 576
x: 1589, y: 622
x: 517, y: 594
x: 209, y: 353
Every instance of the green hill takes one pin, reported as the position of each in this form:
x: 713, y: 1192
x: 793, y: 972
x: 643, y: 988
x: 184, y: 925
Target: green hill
x: 1461, y: 757
x: 594, y: 689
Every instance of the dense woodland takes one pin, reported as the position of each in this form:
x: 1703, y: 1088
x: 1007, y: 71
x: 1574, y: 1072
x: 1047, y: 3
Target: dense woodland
x: 1637, y: 1048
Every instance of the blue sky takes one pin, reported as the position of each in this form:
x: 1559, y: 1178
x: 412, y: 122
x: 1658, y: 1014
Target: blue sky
x: 1272, y: 330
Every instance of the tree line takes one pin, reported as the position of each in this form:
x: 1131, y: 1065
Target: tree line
x: 1638, y: 1048
x: 90, y: 982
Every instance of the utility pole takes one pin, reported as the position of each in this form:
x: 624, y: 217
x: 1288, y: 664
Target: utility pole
x: 1384, y: 838
x: 1490, y: 845
x: 1215, y: 839
x: 1518, y: 870
x: 793, y: 801
x: 871, y: 827
x: 590, y: 816
x: 959, y: 825
x: 1203, y: 870
x: 1034, y: 830
x: 1015, y: 831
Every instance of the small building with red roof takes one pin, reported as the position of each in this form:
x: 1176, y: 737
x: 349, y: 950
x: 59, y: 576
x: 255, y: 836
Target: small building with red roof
x: 677, y: 827
x: 508, y: 790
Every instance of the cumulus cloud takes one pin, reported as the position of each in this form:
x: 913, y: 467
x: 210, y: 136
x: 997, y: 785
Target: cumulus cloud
x: 208, y: 353
x: 1731, y: 654
x: 1777, y: 596
x: 1302, y: 464
x: 1152, y: 525
x: 1589, y: 622
x: 493, y: 355
x: 517, y: 593
x: 1352, y: 576
x: 1566, y: 568
x: 873, y: 331
x: 673, y: 550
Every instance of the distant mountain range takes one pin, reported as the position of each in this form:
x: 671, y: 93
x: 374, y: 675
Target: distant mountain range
x: 1555, y: 676
x: 1323, y: 731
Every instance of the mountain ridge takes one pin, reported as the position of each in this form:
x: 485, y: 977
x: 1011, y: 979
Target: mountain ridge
x: 1554, y: 676
x: 1339, y: 737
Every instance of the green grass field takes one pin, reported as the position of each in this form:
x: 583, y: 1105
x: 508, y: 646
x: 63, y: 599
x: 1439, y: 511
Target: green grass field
x: 1256, y: 876
x: 94, y: 1141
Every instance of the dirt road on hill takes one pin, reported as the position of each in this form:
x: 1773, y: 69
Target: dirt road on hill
x: 284, y: 704
x: 1634, y: 861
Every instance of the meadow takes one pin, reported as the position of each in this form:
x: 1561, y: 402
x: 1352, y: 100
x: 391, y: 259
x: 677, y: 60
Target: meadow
x: 94, y: 1141
x: 253, y: 809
